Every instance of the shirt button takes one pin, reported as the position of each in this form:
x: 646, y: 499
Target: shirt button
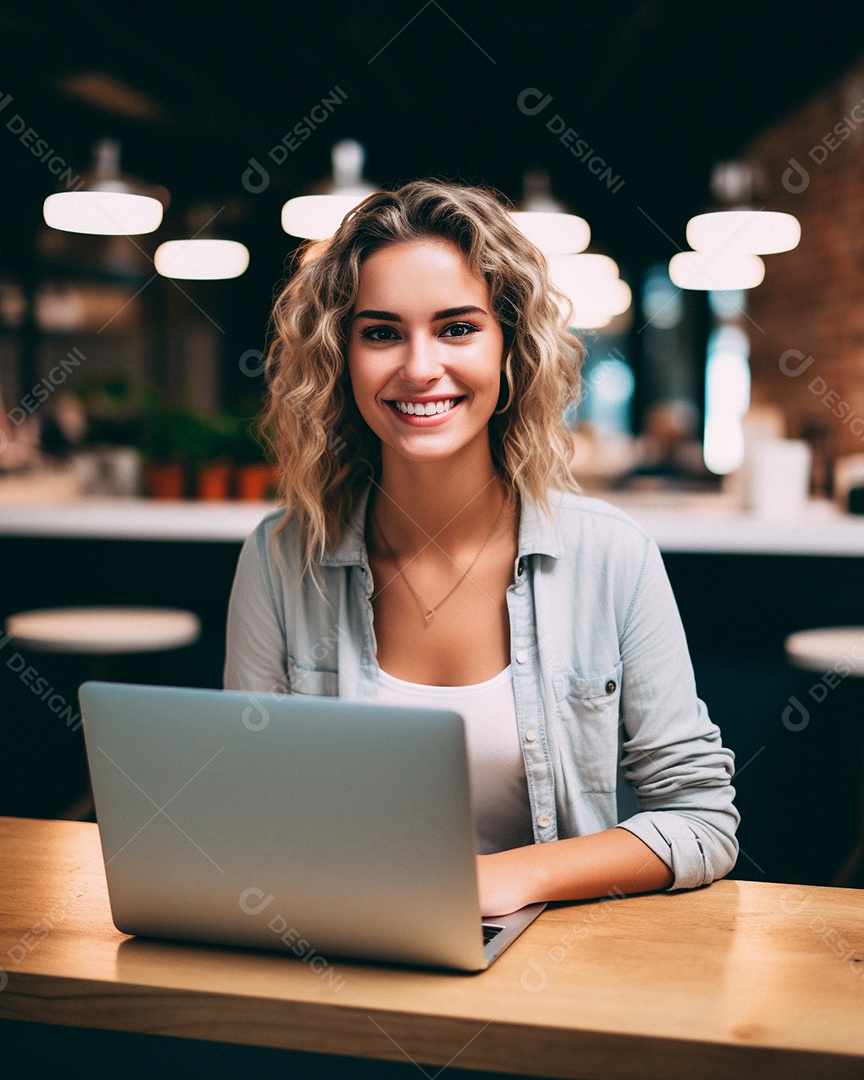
x: 530, y: 735
x: 543, y: 821
x: 611, y: 687
x: 520, y: 569
x: 521, y: 656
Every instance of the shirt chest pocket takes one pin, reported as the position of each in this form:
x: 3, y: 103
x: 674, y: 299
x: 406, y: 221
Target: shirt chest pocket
x: 588, y: 721
x: 311, y: 681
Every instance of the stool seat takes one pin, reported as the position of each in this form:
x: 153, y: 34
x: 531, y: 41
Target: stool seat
x: 104, y: 630
x: 820, y: 650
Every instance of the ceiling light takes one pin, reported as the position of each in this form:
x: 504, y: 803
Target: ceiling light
x: 596, y: 307
x: 742, y: 232
x: 712, y: 271
x: 554, y: 233
x: 593, y: 287
x: 619, y: 297
x: 737, y: 227
x: 201, y: 259
x: 546, y: 221
x: 317, y: 217
x: 103, y: 213
x: 574, y: 270
x: 109, y: 204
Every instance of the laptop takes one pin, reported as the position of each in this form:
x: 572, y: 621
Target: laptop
x: 317, y: 826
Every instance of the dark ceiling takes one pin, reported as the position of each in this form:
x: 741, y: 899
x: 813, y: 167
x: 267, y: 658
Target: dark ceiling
x: 660, y: 89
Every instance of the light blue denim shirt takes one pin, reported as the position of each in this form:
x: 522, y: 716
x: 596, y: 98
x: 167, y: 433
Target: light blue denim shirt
x: 611, y: 729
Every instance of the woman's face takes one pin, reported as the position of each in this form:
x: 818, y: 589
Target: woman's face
x: 425, y: 351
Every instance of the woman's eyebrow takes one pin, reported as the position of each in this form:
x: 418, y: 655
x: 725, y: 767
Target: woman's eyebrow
x: 450, y: 313
x: 446, y: 313
x: 387, y: 316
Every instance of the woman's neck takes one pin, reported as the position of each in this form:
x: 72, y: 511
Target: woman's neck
x: 413, y: 502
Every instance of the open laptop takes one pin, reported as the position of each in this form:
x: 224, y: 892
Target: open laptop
x: 318, y: 826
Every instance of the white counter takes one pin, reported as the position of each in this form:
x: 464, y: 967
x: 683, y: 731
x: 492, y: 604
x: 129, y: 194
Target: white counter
x: 135, y: 519
x: 714, y: 524
x: 679, y: 523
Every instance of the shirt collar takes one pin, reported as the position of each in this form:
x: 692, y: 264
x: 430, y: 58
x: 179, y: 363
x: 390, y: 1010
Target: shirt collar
x: 352, y: 547
x: 537, y: 533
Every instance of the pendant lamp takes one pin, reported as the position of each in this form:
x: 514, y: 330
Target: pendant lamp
x: 201, y: 259
x: 546, y: 222
x: 318, y: 216
x: 592, y: 284
x: 206, y: 255
x: 109, y: 203
x: 716, y: 271
x: 737, y: 226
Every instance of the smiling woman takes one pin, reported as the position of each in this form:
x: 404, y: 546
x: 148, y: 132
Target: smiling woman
x: 434, y: 536
x: 423, y: 365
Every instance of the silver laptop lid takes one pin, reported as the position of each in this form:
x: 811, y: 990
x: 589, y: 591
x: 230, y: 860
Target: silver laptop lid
x: 265, y: 820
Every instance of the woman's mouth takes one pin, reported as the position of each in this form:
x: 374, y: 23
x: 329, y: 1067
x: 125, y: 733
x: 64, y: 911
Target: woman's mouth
x: 425, y: 413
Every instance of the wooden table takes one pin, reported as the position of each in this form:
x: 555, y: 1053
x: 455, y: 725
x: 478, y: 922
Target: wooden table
x: 741, y: 978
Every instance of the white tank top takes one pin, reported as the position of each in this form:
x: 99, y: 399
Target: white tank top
x: 499, y: 790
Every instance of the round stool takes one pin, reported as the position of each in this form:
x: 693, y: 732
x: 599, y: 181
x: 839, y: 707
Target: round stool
x: 100, y: 632
x: 103, y: 631
x: 819, y: 650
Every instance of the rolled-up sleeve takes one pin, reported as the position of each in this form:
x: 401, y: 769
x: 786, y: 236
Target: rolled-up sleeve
x: 673, y: 758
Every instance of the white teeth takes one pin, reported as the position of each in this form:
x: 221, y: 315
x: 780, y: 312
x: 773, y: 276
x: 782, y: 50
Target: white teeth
x: 429, y: 409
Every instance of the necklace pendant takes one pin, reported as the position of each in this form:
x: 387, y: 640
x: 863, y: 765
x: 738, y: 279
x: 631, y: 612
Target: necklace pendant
x: 428, y: 616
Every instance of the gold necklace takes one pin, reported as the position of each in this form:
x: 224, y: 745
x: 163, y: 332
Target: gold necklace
x: 426, y: 611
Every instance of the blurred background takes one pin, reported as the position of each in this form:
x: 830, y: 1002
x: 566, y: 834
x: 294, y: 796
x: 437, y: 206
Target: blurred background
x: 620, y: 112
x: 725, y: 412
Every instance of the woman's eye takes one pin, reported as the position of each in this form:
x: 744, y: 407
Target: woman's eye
x: 379, y: 333
x: 462, y: 329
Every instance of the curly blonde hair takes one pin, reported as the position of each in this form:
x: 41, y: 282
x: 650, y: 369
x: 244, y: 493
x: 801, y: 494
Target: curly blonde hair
x: 325, y: 450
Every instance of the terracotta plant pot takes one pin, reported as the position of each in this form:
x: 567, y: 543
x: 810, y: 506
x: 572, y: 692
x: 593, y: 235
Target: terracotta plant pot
x: 257, y: 482
x: 214, y: 481
x: 165, y: 481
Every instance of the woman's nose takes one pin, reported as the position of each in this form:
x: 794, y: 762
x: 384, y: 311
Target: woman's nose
x: 422, y: 362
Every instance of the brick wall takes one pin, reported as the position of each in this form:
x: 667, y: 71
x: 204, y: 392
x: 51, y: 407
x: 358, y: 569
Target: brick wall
x: 812, y: 299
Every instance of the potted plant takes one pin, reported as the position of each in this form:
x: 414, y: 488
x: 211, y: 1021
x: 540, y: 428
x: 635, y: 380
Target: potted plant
x: 215, y: 471
x: 257, y: 478
x: 172, y: 441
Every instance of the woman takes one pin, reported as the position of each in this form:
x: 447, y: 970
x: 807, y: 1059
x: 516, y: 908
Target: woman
x: 434, y: 550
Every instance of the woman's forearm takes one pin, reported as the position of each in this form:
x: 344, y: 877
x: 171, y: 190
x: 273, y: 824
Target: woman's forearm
x: 614, y: 861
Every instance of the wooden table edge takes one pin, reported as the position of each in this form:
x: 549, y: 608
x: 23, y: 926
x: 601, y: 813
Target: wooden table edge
x: 494, y: 1046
